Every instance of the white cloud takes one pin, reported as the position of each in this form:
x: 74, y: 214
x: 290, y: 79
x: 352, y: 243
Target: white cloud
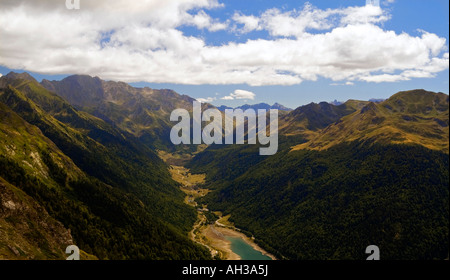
x: 250, y: 23
x: 240, y: 94
x: 130, y: 41
x: 297, y: 23
x: 203, y: 21
x: 206, y: 100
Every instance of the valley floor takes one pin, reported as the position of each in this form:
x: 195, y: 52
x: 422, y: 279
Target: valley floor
x: 210, y: 234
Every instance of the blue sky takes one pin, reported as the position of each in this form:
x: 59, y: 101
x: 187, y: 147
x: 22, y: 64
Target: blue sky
x: 235, y: 52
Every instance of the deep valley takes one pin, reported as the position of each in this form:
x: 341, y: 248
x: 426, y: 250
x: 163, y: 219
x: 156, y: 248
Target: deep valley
x: 89, y: 162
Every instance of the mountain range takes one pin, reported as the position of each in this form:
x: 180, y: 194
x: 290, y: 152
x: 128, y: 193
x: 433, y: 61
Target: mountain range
x: 79, y: 165
x: 255, y: 107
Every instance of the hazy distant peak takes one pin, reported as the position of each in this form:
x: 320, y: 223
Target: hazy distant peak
x: 336, y: 103
x: 278, y: 106
x: 265, y: 106
x: 377, y: 100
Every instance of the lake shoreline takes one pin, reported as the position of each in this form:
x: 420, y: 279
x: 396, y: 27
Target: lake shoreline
x: 225, y: 231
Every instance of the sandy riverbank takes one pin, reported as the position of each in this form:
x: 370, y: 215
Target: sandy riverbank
x: 216, y: 239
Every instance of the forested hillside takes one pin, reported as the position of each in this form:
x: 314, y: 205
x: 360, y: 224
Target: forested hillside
x: 113, y: 193
x: 344, y: 177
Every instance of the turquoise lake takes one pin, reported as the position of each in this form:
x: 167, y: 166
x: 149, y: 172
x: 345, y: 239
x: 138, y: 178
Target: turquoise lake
x: 244, y: 250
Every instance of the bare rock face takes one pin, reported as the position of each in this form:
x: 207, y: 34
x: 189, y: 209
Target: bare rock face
x: 27, y: 231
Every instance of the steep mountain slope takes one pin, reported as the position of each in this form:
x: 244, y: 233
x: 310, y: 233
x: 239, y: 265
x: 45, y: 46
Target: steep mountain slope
x: 142, y: 112
x: 332, y: 204
x: 25, y: 144
x: 330, y: 201
x: 26, y: 229
x: 98, y: 148
x: 139, y: 213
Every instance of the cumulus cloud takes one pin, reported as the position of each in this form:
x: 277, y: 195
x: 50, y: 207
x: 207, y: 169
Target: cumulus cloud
x: 249, y: 23
x: 203, y: 21
x: 240, y: 94
x: 297, y: 23
x: 143, y: 41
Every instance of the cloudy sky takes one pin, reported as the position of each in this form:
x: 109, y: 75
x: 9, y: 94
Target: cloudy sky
x: 233, y: 51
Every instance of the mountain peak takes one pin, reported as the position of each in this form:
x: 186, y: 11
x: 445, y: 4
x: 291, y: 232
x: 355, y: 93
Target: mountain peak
x: 278, y: 106
x: 83, y: 79
x: 371, y: 107
x: 22, y: 76
x: 417, y: 101
x: 416, y: 95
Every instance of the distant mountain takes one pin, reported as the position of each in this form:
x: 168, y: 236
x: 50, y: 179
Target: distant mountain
x: 309, y: 119
x: 336, y: 103
x: 417, y: 116
x: 376, y: 100
x: 142, y: 112
x: 264, y: 106
x: 223, y: 107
